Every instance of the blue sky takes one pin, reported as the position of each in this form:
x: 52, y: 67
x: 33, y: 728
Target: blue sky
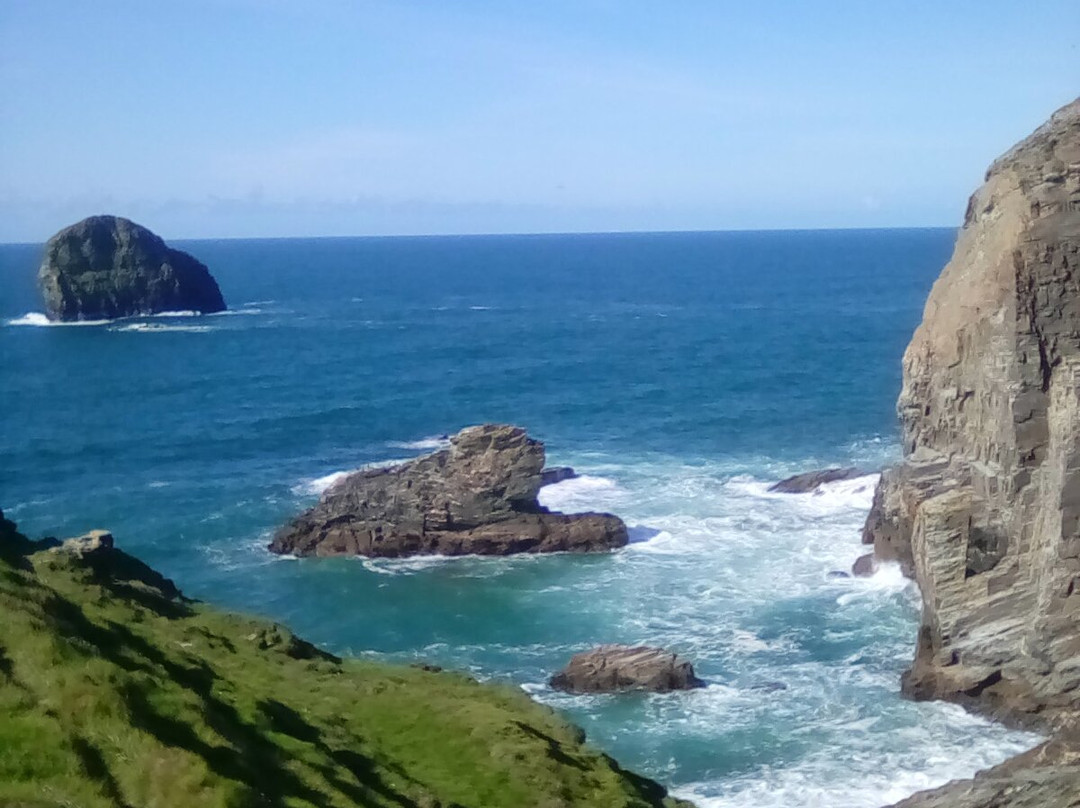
x: 219, y: 118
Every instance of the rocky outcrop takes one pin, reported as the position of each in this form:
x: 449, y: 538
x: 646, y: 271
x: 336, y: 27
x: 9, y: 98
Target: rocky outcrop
x: 106, y: 267
x: 478, y: 496
x: 813, y: 480
x: 984, y: 510
x: 94, y: 542
x: 613, y: 668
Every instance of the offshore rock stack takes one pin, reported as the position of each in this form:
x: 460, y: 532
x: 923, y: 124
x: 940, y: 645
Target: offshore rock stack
x: 477, y: 497
x: 106, y: 267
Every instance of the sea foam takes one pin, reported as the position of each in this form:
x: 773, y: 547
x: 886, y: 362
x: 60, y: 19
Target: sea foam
x: 36, y: 318
x: 318, y: 485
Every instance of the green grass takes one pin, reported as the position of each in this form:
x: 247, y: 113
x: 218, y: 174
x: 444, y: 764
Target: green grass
x: 117, y: 691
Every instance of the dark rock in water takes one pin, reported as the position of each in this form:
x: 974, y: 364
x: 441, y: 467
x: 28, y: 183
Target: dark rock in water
x: 864, y: 566
x: 812, y: 480
x: 556, y: 474
x: 837, y: 574
x: 478, y: 496
x: 612, y: 668
x: 106, y: 267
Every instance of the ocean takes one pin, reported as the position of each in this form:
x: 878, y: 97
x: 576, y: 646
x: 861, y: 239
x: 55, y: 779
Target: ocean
x: 679, y: 373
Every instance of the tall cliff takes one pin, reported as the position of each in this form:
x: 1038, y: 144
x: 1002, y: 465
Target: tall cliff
x: 984, y: 510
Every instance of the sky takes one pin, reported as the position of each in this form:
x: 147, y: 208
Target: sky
x: 267, y: 118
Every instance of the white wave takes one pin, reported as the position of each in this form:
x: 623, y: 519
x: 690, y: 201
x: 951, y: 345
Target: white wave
x: 429, y: 443
x: 887, y: 581
x: 179, y: 313
x: 582, y: 493
x: 481, y: 308
x: 36, y: 318
x: 318, y: 485
x: 831, y: 778
x: 157, y: 484
x: 251, y: 303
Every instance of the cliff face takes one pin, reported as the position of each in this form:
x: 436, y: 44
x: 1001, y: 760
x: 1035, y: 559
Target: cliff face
x: 984, y: 510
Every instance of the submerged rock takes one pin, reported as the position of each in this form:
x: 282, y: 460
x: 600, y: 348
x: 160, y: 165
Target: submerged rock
x: 813, y: 480
x: 106, y: 267
x: 984, y: 510
x: 478, y: 496
x: 612, y: 668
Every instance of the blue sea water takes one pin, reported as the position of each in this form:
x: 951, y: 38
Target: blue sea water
x: 680, y: 373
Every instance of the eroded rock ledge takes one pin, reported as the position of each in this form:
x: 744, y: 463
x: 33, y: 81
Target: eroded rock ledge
x: 478, y: 496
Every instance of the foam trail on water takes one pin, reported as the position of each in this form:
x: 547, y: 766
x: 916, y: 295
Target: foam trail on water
x: 159, y: 328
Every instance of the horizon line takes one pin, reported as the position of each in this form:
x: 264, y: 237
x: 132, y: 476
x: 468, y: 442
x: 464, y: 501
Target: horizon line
x: 533, y: 234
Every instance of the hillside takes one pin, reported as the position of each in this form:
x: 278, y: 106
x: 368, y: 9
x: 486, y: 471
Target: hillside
x: 118, y: 691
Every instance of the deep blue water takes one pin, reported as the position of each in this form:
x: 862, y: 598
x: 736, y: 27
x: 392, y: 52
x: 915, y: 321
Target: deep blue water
x: 680, y: 372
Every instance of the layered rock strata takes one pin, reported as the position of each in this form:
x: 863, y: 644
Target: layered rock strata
x: 614, y: 668
x: 106, y: 267
x: 478, y: 496
x: 984, y: 511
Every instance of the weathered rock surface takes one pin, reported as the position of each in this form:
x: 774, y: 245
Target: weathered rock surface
x: 478, y: 496
x: 612, y: 668
x: 1045, y: 777
x: 813, y: 480
x: 984, y: 511
x: 106, y: 267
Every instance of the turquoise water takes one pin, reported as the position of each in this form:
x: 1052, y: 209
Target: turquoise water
x: 680, y: 373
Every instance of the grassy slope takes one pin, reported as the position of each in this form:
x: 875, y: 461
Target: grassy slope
x: 115, y: 691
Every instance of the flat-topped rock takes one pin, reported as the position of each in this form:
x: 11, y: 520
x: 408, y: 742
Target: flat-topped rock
x: 106, y: 267
x: 479, y: 496
x: 614, y: 668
